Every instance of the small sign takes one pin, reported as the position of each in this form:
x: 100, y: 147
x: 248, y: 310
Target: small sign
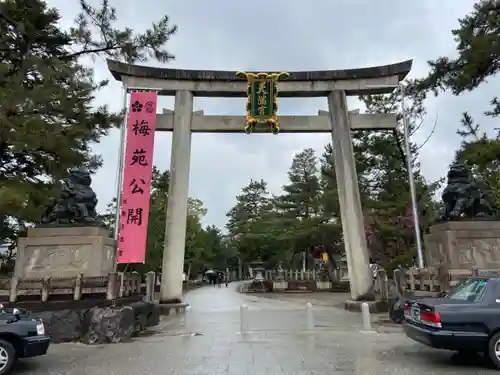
x: 262, y: 104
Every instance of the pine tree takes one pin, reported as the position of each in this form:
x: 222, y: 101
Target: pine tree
x: 478, y: 54
x: 299, y: 205
x: 477, y: 59
x: 388, y: 207
x: 249, y: 227
x: 48, y: 119
x: 482, y: 154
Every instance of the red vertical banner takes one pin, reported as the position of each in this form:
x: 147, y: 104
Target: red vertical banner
x: 137, y: 175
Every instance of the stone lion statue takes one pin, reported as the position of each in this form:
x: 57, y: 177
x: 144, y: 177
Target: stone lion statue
x: 464, y: 196
x: 76, y: 203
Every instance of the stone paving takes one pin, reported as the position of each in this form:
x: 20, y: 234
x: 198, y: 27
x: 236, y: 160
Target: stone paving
x: 277, y: 343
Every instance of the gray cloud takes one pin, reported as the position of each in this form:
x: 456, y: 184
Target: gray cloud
x: 286, y: 35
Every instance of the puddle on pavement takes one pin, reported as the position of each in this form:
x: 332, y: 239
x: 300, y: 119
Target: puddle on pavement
x: 386, y: 322
x: 151, y: 333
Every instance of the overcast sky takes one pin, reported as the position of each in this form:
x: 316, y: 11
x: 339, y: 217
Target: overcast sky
x: 331, y: 34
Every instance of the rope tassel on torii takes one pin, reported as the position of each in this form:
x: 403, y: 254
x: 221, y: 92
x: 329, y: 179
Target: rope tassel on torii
x: 262, y: 105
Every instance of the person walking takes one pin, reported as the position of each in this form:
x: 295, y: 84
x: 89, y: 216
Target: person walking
x: 219, y: 279
x: 226, y: 278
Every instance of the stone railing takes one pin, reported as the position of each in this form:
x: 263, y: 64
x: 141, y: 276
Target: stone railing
x: 301, y: 275
x: 440, y: 279
x: 426, y: 279
x: 111, y: 287
x: 304, y: 280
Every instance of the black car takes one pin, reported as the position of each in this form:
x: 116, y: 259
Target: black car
x: 396, y: 305
x: 467, y: 320
x: 20, y: 337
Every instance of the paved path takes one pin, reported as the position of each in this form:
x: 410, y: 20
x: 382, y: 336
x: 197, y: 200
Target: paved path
x: 277, y: 343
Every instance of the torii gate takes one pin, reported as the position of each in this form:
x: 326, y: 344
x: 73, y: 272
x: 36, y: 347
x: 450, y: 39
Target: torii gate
x: 334, y: 84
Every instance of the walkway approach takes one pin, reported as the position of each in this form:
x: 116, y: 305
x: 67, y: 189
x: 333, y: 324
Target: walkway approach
x: 277, y: 343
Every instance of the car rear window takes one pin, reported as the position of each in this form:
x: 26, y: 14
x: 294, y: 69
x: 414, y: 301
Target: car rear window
x: 471, y: 290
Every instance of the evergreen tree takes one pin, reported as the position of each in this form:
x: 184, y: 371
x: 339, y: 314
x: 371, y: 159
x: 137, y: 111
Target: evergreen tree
x: 48, y: 119
x: 482, y: 154
x: 300, y: 198
x: 248, y: 224
x: 477, y: 60
x: 388, y: 213
x: 299, y: 205
x: 478, y: 54
x: 383, y: 183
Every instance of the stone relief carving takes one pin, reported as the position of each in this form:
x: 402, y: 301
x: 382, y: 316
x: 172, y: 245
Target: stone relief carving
x: 57, y: 257
x: 109, y: 253
x: 436, y: 253
x: 465, y: 254
x: 482, y: 253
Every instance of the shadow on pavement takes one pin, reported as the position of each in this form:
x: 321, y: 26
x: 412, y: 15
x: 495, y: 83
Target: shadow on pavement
x: 28, y: 365
x: 444, y: 359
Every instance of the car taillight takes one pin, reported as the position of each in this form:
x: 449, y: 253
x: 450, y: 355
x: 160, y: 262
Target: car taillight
x: 432, y: 318
x: 407, y: 309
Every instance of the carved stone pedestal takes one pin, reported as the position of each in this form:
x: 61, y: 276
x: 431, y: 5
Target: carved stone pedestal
x: 464, y: 245
x: 62, y: 252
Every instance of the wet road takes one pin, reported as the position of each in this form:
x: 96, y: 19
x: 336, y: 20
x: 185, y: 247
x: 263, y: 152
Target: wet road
x: 276, y: 343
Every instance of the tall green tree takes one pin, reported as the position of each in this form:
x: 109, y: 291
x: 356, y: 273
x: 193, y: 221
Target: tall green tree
x: 216, y: 250
x: 248, y: 222
x: 388, y: 213
x: 331, y: 227
x: 48, y: 118
x: 477, y: 59
x: 383, y: 183
x: 299, y: 205
x: 481, y: 152
x: 478, y: 54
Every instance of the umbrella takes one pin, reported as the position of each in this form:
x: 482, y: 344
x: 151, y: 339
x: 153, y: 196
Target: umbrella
x: 209, y: 272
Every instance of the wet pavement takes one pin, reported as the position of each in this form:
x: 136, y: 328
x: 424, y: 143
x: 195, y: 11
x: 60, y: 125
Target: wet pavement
x: 277, y: 342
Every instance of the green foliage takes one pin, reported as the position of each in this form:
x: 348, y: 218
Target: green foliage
x: 478, y: 47
x: 386, y: 198
x: 306, y: 215
x: 48, y: 118
x: 482, y: 154
x: 477, y: 59
x: 248, y: 221
x: 404, y: 260
x: 300, y: 203
x: 94, y: 33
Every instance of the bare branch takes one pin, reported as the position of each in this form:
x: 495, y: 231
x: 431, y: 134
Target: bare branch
x: 430, y: 134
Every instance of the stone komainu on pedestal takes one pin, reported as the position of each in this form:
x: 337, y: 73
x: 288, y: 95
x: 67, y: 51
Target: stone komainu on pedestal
x: 76, y: 243
x: 467, y: 234
x: 465, y: 197
x: 77, y: 202
x: 73, y: 240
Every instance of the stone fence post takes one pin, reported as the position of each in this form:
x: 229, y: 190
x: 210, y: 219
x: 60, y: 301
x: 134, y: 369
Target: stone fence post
x: 399, y: 281
x: 150, y: 286
x: 112, y: 288
x: 383, y: 284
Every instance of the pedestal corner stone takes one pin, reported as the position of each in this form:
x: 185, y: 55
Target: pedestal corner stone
x: 65, y: 252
